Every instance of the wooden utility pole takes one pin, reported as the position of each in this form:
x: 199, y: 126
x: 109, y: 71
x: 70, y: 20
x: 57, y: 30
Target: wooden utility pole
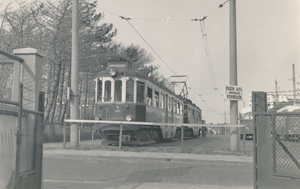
x: 276, y: 92
x: 294, y: 85
x: 234, y: 139
x: 74, y: 129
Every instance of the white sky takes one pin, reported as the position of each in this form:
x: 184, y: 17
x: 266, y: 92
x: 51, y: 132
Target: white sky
x: 268, y: 43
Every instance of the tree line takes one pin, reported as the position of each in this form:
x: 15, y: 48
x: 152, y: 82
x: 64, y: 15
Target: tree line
x: 46, y: 25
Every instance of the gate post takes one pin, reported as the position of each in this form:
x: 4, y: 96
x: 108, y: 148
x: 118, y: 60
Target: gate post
x: 31, y: 75
x: 259, y: 104
x: 31, y: 78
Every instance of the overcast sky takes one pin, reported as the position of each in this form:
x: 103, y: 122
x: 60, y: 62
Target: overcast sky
x: 268, y: 43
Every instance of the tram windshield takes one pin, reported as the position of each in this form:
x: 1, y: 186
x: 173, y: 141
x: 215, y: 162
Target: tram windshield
x: 118, y: 91
x: 112, y: 90
x: 129, y: 90
x: 107, y: 91
x: 99, y: 91
x: 140, y: 92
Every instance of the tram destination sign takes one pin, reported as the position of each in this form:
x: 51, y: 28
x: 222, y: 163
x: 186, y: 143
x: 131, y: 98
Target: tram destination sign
x: 233, y: 93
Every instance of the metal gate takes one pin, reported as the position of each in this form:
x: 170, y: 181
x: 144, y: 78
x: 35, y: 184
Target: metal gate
x: 21, y: 145
x: 276, y: 148
x: 21, y: 123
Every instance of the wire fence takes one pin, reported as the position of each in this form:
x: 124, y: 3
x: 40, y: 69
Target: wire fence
x: 27, y: 144
x: 26, y: 133
x: 6, y: 80
x: 286, y: 145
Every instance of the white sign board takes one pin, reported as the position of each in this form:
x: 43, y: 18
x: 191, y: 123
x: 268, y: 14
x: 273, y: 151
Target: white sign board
x: 233, y: 93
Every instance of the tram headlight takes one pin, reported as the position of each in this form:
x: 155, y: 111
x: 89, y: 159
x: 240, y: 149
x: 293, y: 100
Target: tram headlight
x: 97, y: 117
x: 112, y: 71
x: 129, y: 118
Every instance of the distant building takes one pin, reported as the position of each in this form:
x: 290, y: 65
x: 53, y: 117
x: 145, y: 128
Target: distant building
x: 275, y: 103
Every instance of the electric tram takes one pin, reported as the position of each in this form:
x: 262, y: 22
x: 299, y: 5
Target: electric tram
x: 126, y: 95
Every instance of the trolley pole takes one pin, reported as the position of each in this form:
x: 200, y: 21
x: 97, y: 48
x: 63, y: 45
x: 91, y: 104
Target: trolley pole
x: 234, y: 140
x: 74, y: 128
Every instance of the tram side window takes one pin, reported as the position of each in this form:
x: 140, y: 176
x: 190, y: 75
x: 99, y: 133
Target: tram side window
x: 193, y: 116
x: 99, y: 91
x: 107, y: 94
x: 140, y: 91
x: 185, y: 113
x: 161, y: 101
x: 175, y: 106
x: 167, y: 102
x: 129, y: 90
x: 156, y: 97
x: 181, y: 109
x: 149, y: 96
x: 170, y: 104
x: 118, y: 91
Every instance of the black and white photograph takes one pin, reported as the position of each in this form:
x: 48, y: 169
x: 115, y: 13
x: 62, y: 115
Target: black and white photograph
x: 149, y: 94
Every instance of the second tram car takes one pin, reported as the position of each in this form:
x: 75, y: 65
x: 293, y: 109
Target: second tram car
x: 127, y: 95
x: 287, y: 126
x: 246, y: 118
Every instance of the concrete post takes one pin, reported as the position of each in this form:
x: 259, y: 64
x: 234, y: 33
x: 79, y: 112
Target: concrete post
x: 31, y: 76
x: 234, y: 139
x: 74, y: 109
x: 33, y: 99
x: 259, y: 104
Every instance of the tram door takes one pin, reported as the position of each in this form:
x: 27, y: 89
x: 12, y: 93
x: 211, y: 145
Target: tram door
x: 166, y: 108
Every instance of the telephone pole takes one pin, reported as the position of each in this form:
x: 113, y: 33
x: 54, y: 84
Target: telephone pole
x: 234, y: 140
x: 276, y: 92
x: 294, y: 85
x: 74, y: 128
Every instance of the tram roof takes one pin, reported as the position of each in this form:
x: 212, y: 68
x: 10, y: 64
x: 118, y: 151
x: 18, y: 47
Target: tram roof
x: 292, y: 108
x: 121, y: 72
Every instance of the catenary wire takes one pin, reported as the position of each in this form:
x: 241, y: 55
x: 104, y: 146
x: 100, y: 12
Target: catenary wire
x: 127, y: 19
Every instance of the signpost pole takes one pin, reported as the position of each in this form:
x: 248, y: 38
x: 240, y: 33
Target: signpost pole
x: 74, y: 101
x: 234, y: 141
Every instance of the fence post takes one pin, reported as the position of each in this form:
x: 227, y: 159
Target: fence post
x: 182, y: 136
x: 259, y: 104
x: 93, y: 135
x: 64, y: 135
x: 19, y: 134
x: 79, y: 135
x: 120, y: 138
x: 244, y: 138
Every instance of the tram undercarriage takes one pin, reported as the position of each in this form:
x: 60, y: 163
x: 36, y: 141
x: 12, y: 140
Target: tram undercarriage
x: 139, y: 135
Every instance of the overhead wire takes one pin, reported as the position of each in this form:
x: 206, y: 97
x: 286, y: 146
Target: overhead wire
x: 207, y: 50
x: 204, y: 34
x: 203, y: 101
x: 149, y: 46
x: 205, y: 40
x: 206, y: 46
x: 127, y: 19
